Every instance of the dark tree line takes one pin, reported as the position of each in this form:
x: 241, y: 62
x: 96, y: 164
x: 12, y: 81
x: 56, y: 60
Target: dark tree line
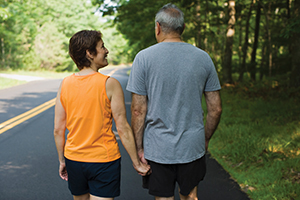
x: 246, y: 38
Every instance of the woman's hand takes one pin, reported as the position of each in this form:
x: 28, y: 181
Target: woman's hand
x: 63, y: 171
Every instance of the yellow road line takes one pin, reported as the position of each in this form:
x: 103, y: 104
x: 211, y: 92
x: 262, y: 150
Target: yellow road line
x: 25, y: 116
x: 31, y: 113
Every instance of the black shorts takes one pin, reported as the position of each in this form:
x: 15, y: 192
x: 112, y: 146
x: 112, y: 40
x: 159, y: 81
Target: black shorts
x: 98, y: 179
x: 161, y: 182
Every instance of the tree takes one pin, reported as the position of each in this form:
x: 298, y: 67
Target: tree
x: 227, y: 72
x: 294, y: 25
x: 256, y: 36
x: 268, y: 30
x: 35, y: 33
x: 246, y: 44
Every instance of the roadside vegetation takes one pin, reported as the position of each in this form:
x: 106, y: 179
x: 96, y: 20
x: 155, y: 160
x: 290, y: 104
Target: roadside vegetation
x: 7, y: 82
x: 39, y: 73
x: 258, y: 139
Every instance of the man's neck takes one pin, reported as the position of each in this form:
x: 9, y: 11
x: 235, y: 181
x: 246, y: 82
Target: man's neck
x: 171, y: 38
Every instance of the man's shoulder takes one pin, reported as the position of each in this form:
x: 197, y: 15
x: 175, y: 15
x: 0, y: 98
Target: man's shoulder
x: 164, y: 47
x: 147, y: 51
x: 195, y: 48
x: 150, y: 48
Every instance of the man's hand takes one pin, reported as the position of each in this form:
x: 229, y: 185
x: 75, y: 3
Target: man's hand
x: 141, y: 156
x: 142, y: 168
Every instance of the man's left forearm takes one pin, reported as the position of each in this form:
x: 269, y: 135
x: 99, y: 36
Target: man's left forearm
x: 212, y: 121
x: 138, y: 114
x: 214, y: 111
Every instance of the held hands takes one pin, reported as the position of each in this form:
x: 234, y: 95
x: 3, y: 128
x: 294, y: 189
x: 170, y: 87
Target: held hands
x: 142, y: 168
x: 63, y: 171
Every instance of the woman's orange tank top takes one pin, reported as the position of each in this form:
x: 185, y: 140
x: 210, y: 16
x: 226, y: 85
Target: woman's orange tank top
x: 89, y: 119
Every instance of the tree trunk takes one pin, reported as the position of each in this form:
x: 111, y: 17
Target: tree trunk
x: 240, y: 40
x: 245, y: 47
x: 198, y: 25
x: 262, y: 70
x: 288, y: 9
x: 227, y: 75
x: 3, y: 53
x: 267, y: 13
x: 256, y: 35
x: 205, y: 27
x: 295, y: 74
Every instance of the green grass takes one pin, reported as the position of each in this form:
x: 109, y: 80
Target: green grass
x: 6, y: 82
x: 258, y: 142
x: 44, y: 74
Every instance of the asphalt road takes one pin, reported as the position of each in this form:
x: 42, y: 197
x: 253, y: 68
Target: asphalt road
x: 28, y: 158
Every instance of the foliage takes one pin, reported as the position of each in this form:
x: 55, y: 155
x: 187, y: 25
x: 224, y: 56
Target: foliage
x: 35, y: 33
x: 28, y: 26
x: 206, y: 23
x: 116, y: 45
x: 257, y: 141
x: 135, y: 20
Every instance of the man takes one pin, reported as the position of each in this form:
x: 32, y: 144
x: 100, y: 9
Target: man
x: 167, y: 82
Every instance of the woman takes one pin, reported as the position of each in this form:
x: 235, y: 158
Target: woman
x: 85, y: 104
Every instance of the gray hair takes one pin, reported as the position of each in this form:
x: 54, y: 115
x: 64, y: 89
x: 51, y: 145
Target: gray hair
x: 170, y: 18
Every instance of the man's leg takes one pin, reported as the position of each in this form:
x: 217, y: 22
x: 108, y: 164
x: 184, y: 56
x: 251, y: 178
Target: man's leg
x: 161, y: 182
x: 164, y: 198
x: 189, y: 176
x: 192, y: 196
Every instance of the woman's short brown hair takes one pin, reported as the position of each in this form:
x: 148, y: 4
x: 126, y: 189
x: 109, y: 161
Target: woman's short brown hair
x: 80, y: 42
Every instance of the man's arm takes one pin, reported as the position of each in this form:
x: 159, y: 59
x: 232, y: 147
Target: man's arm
x: 59, y: 135
x: 115, y: 94
x: 138, y: 114
x: 214, y: 110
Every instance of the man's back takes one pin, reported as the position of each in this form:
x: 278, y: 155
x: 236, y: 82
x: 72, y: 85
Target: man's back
x: 173, y: 76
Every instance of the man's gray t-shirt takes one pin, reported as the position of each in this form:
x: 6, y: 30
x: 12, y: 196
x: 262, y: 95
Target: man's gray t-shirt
x: 173, y: 76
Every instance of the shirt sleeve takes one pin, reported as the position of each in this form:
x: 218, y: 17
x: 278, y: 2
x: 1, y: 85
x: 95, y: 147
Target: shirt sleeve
x: 212, y: 82
x: 136, y: 82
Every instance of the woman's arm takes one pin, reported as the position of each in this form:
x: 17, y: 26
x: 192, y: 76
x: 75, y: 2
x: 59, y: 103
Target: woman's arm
x: 59, y: 135
x: 115, y: 94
